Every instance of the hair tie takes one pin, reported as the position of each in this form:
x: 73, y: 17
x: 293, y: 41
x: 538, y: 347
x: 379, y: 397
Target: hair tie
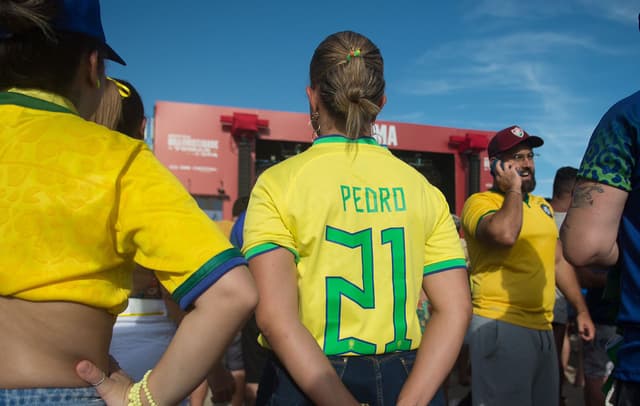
x: 353, y: 54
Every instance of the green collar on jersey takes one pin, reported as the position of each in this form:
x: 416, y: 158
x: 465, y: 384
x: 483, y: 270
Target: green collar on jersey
x: 31, y: 102
x: 326, y: 139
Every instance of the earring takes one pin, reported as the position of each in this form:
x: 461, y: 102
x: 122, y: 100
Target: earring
x: 315, y: 124
x: 98, y: 84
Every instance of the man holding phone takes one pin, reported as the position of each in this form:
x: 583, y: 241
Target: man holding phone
x: 516, y: 260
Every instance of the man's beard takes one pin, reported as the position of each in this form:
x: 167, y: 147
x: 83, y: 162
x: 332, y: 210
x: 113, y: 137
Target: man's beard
x: 529, y: 184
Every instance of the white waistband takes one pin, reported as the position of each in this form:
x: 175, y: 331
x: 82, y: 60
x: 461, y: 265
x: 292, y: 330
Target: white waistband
x: 144, y: 307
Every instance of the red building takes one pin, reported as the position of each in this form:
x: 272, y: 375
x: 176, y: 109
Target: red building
x: 215, y: 151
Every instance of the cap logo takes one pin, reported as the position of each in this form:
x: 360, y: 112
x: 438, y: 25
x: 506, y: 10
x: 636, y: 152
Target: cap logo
x: 517, y: 131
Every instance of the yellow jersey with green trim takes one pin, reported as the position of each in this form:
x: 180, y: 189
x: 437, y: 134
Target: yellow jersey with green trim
x: 513, y: 284
x: 365, y: 228
x: 79, y: 204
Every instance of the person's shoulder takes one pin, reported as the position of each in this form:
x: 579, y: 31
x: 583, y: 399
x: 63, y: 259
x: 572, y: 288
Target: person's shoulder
x: 631, y: 100
x: 484, y: 196
x: 487, y: 200
x: 539, y: 198
x: 78, y: 136
x: 628, y: 106
x: 290, y: 163
x: 81, y: 128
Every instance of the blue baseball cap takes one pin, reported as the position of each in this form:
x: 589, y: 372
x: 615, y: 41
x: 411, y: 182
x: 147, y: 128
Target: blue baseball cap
x: 82, y: 17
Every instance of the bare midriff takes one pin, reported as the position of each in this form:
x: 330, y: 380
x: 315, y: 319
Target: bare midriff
x: 41, y: 342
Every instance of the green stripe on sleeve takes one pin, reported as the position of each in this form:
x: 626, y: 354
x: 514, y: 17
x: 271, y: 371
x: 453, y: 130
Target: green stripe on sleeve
x: 482, y: 217
x: 205, y: 270
x: 262, y: 248
x: 445, y: 265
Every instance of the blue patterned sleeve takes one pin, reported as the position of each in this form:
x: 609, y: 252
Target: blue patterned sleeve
x: 612, y: 152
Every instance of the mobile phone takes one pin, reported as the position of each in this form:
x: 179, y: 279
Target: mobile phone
x: 493, y: 166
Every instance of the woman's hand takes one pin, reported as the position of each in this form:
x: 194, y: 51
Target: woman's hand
x: 114, y: 388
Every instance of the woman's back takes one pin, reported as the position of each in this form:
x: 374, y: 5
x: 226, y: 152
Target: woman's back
x: 359, y: 220
x: 57, y: 221
x: 41, y: 342
x: 59, y: 176
x: 366, y: 232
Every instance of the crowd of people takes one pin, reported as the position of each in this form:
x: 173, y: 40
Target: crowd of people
x: 334, y: 284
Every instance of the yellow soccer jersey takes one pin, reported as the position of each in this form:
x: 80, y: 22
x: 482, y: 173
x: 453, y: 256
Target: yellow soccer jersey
x: 365, y: 228
x: 79, y: 204
x: 515, y: 284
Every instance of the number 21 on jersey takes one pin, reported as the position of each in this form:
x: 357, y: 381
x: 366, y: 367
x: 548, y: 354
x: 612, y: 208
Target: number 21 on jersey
x: 391, y: 239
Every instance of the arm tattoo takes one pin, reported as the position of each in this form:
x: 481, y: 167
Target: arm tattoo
x: 582, y: 194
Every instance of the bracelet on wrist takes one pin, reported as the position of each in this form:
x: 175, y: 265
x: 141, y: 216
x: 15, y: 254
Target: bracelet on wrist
x: 514, y: 191
x: 145, y: 389
x: 134, y: 397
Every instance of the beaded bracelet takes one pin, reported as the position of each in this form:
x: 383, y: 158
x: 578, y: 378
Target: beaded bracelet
x: 145, y: 388
x: 134, y: 393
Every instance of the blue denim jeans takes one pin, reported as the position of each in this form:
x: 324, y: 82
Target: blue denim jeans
x: 51, y: 396
x: 372, y: 379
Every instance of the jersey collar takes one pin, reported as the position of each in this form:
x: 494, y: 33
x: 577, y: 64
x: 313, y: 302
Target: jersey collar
x: 37, y: 99
x: 341, y: 139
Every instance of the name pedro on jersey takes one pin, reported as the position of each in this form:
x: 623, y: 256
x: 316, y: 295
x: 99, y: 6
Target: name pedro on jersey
x: 372, y: 200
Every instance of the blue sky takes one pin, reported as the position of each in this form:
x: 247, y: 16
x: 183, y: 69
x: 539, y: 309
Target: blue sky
x: 553, y: 67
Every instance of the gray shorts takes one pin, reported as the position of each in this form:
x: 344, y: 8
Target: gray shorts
x: 596, y: 361
x: 512, y: 365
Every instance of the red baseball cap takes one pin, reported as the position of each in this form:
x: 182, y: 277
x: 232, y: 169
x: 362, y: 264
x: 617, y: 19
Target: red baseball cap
x: 509, y: 137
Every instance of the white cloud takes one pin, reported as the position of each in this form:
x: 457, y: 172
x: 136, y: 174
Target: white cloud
x: 528, y: 63
x: 514, y: 9
x: 519, y: 46
x: 623, y: 11
x: 432, y: 87
x: 503, y: 62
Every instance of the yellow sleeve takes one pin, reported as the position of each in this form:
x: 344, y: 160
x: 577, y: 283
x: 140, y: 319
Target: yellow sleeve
x: 475, y: 208
x: 160, y: 225
x: 265, y: 226
x: 443, y: 250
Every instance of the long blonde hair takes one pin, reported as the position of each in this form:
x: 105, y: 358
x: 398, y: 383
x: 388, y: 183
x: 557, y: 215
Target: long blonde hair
x: 109, y: 110
x: 121, y: 109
